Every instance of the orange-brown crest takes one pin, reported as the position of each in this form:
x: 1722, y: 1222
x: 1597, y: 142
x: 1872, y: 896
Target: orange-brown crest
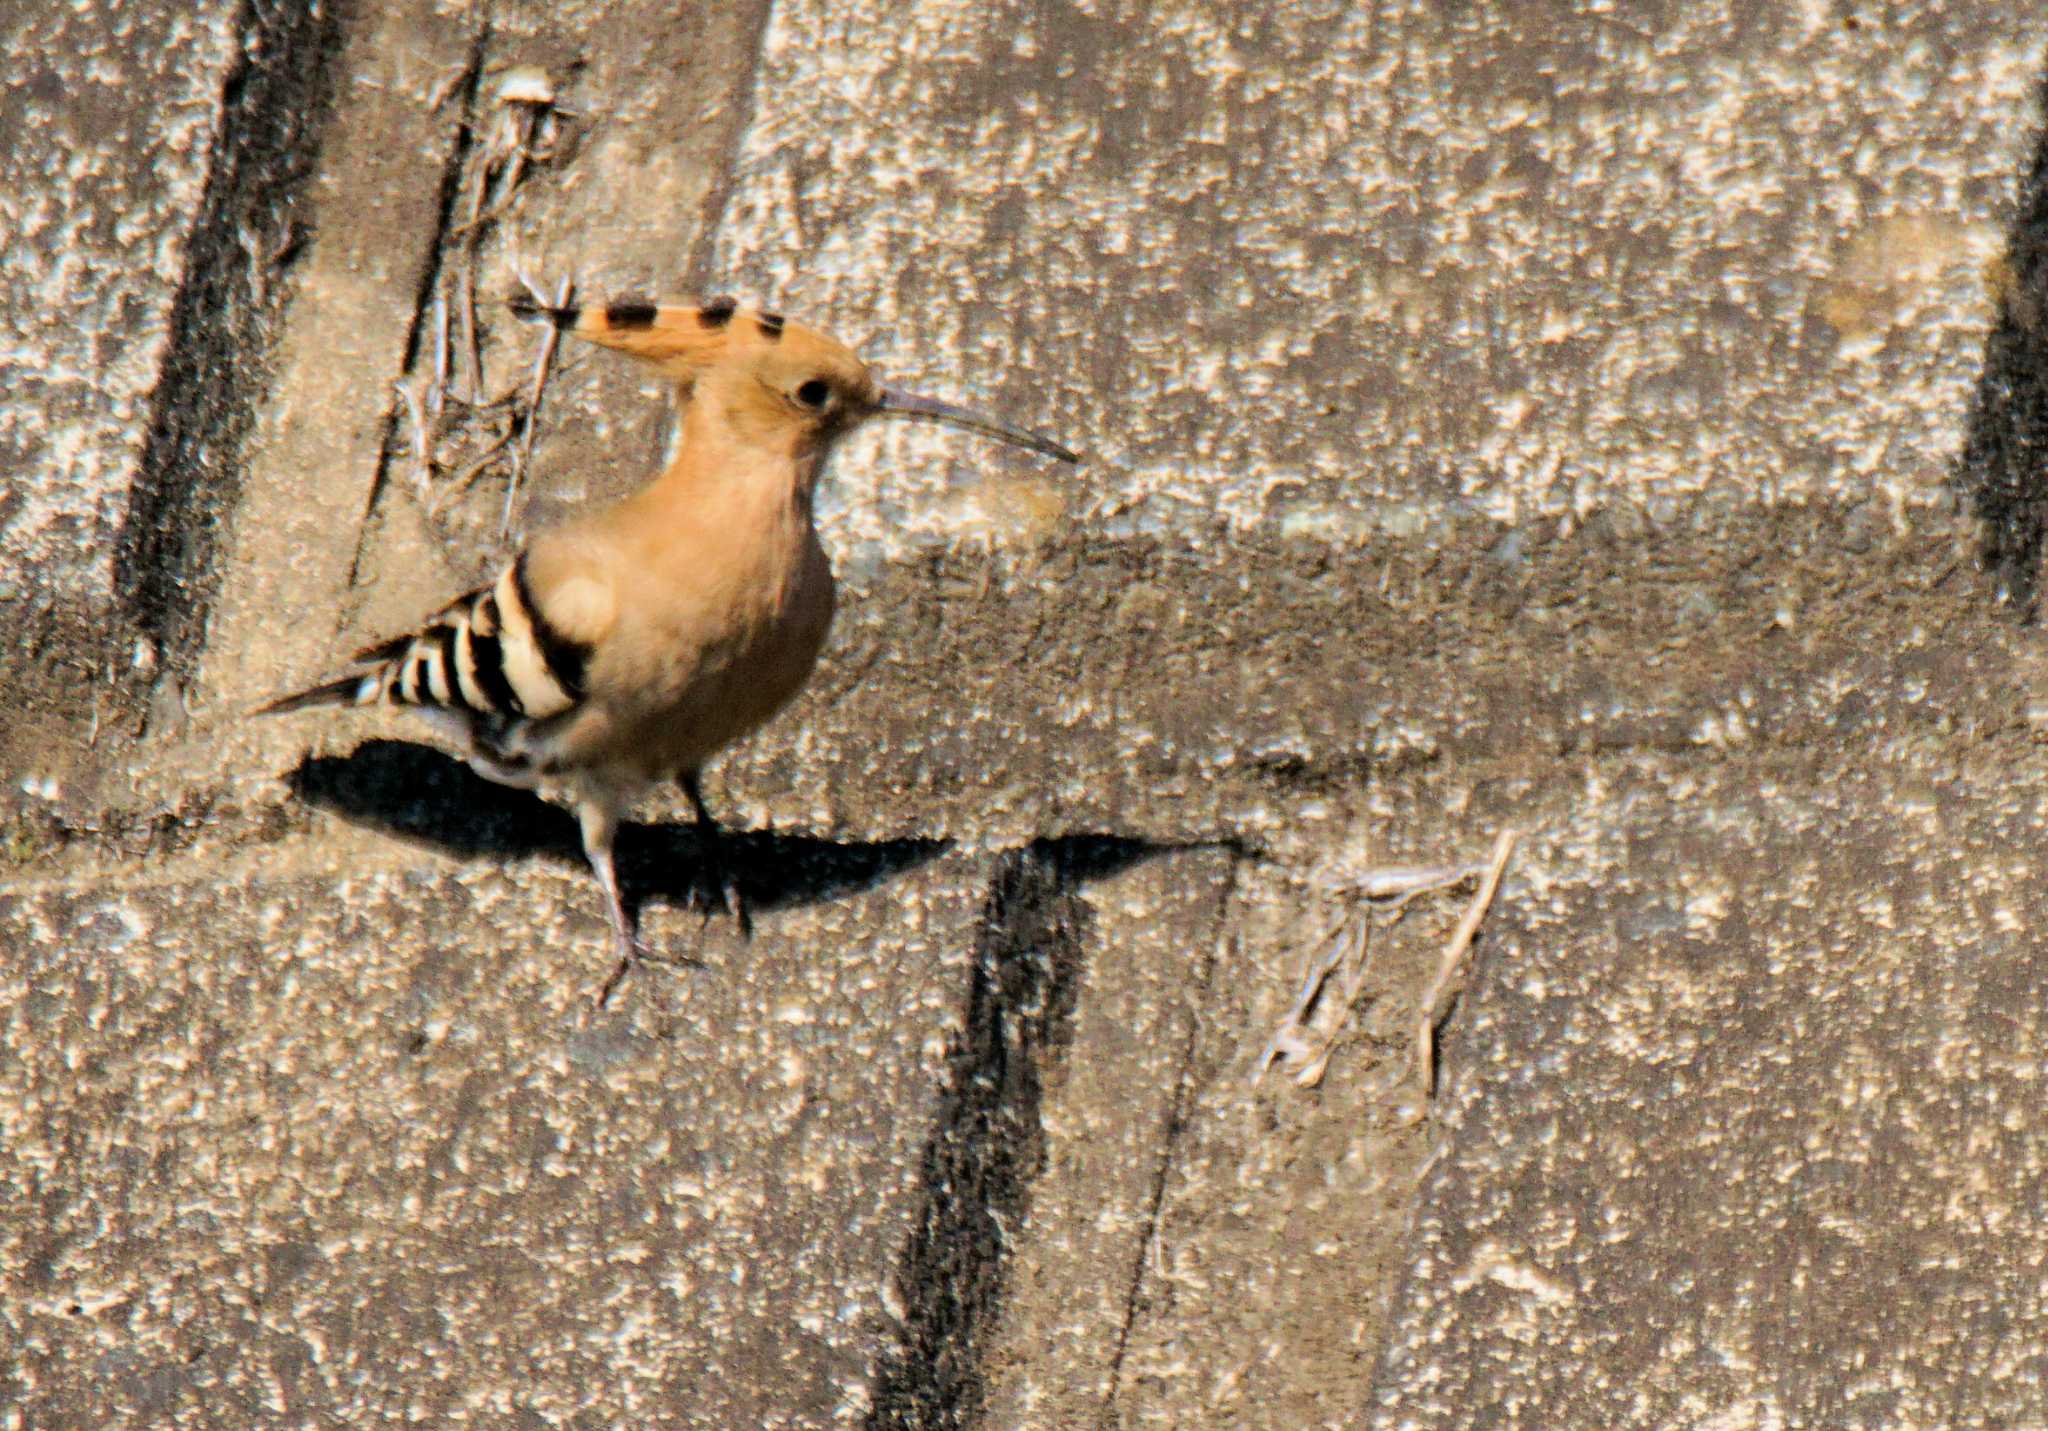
x: 771, y: 380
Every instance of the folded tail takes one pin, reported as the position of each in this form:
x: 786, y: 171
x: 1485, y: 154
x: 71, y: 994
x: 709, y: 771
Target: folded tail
x: 348, y: 691
x: 489, y: 653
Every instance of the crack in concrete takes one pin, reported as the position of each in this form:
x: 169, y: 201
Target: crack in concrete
x: 987, y: 1145
x: 457, y: 165
x: 1176, y: 1123
x: 109, y: 832
x: 44, y: 842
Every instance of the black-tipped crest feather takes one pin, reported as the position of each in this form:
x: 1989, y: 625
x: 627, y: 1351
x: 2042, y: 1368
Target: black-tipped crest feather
x: 526, y: 310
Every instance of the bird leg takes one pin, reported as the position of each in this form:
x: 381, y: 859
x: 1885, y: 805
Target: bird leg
x: 600, y: 825
x: 712, y: 846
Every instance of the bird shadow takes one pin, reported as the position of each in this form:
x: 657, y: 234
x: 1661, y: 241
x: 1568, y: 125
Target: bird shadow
x: 421, y: 795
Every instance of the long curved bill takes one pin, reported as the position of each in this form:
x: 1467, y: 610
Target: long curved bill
x: 933, y: 410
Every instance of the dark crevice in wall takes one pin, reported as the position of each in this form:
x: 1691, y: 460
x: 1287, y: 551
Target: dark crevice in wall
x: 987, y: 1145
x: 1177, y: 1118
x: 439, y: 253
x: 2003, y: 470
x: 216, y: 370
x: 697, y: 268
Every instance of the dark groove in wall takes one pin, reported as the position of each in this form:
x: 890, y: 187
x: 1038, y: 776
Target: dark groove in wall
x: 452, y: 175
x: 987, y: 1145
x: 216, y: 371
x: 1176, y: 1123
x: 696, y: 268
x: 2003, y: 469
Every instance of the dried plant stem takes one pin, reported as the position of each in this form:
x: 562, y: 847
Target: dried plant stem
x: 439, y: 391
x: 541, y: 363
x: 422, y: 439
x: 468, y: 474
x: 466, y: 294
x: 1297, y: 1044
x: 1450, y: 973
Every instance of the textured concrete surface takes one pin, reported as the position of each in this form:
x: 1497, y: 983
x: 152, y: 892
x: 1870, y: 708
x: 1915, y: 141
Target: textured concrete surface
x: 98, y: 196
x: 1353, y: 268
x: 1108, y: 1121
x: 151, y: 214
x: 360, y: 1151
x: 1572, y: 421
x: 1748, y: 1131
x: 100, y: 193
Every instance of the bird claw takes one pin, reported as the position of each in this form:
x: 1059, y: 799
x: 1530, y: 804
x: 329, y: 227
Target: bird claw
x: 720, y: 888
x: 730, y: 901
x: 632, y: 956
x: 630, y: 952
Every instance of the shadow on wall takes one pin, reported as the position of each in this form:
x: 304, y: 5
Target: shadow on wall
x: 987, y: 1143
x: 418, y: 794
x: 2003, y: 469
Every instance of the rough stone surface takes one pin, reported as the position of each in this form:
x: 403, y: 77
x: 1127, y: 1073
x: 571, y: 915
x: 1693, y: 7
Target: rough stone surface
x: 149, y: 220
x: 1346, y: 269
x: 98, y: 191
x: 112, y: 117
x: 1115, y: 1095
x: 1566, y: 421
x: 1745, y: 1132
x: 360, y: 1150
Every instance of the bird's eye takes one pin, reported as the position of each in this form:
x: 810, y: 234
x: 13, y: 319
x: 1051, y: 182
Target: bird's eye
x: 814, y: 393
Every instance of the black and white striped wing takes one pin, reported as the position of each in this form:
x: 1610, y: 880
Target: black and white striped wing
x: 489, y: 654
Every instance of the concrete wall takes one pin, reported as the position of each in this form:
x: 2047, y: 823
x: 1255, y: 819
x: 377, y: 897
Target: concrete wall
x: 1624, y: 426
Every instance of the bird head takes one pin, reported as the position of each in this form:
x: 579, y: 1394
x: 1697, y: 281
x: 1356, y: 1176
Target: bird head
x: 770, y: 380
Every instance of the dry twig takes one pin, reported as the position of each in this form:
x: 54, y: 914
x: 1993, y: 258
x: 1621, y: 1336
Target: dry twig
x: 466, y: 295
x: 1333, y: 978
x: 422, y: 439
x: 564, y: 291
x: 439, y: 391
x: 1450, y: 972
x: 466, y: 476
x: 449, y: 407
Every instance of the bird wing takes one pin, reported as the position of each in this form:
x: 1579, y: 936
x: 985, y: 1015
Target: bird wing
x: 517, y: 650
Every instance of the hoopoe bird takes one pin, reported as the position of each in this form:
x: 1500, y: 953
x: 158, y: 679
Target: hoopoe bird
x: 631, y: 644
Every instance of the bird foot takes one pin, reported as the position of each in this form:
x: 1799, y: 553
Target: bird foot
x: 629, y: 951
x: 726, y: 896
x: 734, y: 903
x: 632, y: 956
